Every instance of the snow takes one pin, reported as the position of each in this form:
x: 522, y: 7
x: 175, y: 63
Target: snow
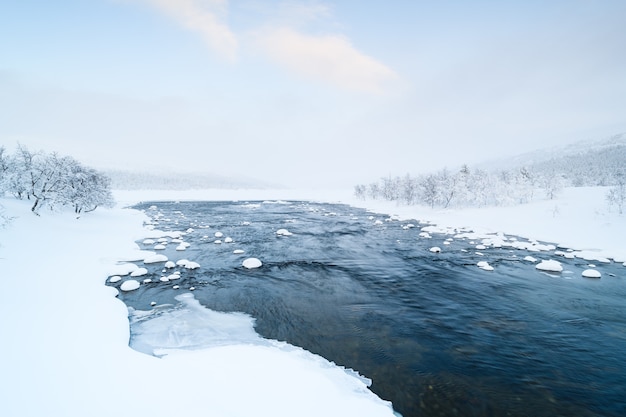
x: 283, y: 232
x: 435, y: 249
x: 86, y: 368
x: 155, y: 259
x: 550, y: 266
x: 251, y: 263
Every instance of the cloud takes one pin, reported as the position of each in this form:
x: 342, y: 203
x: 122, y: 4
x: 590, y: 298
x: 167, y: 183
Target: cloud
x: 329, y: 58
x: 204, y: 17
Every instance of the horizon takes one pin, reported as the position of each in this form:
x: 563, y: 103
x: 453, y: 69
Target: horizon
x: 307, y: 93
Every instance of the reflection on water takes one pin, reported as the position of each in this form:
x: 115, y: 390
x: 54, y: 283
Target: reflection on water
x: 437, y: 335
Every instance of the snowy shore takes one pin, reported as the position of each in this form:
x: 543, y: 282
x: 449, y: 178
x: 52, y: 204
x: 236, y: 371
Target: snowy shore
x: 65, y: 349
x: 65, y: 339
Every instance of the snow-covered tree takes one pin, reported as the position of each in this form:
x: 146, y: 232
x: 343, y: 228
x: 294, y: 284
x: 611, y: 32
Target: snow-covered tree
x: 53, y: 180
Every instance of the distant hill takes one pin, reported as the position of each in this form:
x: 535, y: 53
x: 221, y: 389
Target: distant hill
x: 135, y: 180
x: 584, y: 163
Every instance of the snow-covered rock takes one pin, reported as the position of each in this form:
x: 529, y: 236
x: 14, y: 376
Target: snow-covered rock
x: 228, y: 240
x: 530, y: 259
x: 129, y: 285
x: 550, y: 266
x: 238, y: 251
x: 435, y: 249
x: 484, y: 265
x: 591, y: 273
x: 218, y: 234
x: 114, y: 279
x: 139, y: 272
x: 170, y: 265
x: 192, y: 265
x: 159, y: 247
x: 251, y: 263
x: 283, y: 232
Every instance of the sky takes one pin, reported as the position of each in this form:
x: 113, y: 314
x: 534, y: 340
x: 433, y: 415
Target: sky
x: 308, y: 93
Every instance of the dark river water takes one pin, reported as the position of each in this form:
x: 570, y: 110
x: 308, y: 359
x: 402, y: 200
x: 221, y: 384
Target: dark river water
x: 437, y: 335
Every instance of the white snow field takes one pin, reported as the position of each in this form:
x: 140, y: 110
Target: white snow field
x: 65, y: 336
x: 65, y: 352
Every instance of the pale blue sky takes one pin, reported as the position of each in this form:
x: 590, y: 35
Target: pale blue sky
x: 308, y: 92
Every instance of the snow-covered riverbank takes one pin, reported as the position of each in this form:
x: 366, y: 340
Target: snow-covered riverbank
x: 65, y: 335
x: 65, y: 339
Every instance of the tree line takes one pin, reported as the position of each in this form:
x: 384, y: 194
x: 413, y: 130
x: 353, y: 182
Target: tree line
x: 478, y: 188
x: 463, y: 188
x: 51, y: 180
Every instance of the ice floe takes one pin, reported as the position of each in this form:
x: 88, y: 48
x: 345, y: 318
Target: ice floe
x: 283, y: 232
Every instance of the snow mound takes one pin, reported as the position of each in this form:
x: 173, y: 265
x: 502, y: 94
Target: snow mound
x: 170, y: 264
x: 139, y: 272
x: 228, y: 240
x: 530, y: 259
x: 159, y: 247
x: 149, y: 242
x: 155, y: 259
x: 238, y: 251
x: 129, y: 285
x: 283, y: 232
x: 435, y: 249
x: 115, y: 278
x: 251, y: 263
x: 219, y: 234
x: 591, y: 273
x: 550, y: 266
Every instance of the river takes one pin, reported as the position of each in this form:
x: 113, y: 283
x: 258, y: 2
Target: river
x: 437, y: 335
